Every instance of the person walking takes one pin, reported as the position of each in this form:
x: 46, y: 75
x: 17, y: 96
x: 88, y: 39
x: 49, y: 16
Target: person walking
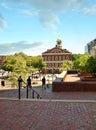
x: 20, y: 80
x: 28, y: 85
x: 43, y: 82
x: 29, y: 82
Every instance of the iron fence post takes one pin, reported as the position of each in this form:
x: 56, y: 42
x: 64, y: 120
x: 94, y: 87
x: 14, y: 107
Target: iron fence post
x: 19, y: 90
x: 27, y: 92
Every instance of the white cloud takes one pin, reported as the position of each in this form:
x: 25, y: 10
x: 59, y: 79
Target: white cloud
x: 55, y: 4
x: 48, y: 19
x: 28, y: 47
x: 90, y: 10
x: 48, y: 9
x: 3, y: 23
x: 26, y: 12
x: 34, y: 51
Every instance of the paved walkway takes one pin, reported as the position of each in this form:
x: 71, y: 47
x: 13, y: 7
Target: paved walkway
x: 48, y: 94
x: 55, y: 111
x: 47, y: 115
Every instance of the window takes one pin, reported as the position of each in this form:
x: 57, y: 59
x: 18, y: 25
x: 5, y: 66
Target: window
x: 56, y: 58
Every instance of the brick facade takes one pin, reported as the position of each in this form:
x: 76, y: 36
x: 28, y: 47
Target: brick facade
x: 54, y: 57
x: 73, y: 86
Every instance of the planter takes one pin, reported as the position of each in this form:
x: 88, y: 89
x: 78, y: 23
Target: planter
x: 84, y: 78
x: 84, y: 74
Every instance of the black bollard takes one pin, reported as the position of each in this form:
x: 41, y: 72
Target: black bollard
x: 19, y: 86
x: 19, y: 91
x: 27, y: 92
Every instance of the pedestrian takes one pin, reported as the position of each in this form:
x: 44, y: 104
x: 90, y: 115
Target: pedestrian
x: 29, y: 82
x: 20, y: 80
x: 43, y: 82
x: 19, y: 86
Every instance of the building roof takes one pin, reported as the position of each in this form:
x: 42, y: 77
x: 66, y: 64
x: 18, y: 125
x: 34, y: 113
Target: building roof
x: 54, y: 49
x: 92, y: 42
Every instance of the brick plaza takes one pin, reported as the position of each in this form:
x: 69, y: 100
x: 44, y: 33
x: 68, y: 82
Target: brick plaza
x: 55, y: 111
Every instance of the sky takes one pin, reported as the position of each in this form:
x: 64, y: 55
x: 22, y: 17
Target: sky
x: 33, y: 26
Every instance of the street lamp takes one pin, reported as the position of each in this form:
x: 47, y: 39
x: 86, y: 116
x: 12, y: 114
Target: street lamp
x: 52, y: 74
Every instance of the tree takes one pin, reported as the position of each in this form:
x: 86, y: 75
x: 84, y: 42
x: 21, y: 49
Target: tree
x: 9, y: 63
x: 67, y: 65
x: 80, y: 63
x: 85, y: 64
x: 40, y: 63
x: 21, y: 64
x: 91, y: 66
x: 15, y: 64
x: 76, y: 56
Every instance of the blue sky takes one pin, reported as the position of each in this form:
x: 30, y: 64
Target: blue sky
x: 33, y: 26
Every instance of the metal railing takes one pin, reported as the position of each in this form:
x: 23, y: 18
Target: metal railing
x: 27, y: 95
x: 37, y: 94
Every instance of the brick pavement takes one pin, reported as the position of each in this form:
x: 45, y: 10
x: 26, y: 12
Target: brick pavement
x: 55, y: 111
x: 46, y: 115
x: 48, y: 94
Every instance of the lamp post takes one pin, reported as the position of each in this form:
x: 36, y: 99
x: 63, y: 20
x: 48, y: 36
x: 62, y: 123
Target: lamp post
x: 48, y: 80
x: 19, y: 86
x: 52, y: 74
x: 39, y: 74
x: 27, y: 92
x: 19, y: 90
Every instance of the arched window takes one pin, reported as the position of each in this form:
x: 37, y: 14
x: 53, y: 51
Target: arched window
x: 59, y: 58
x: 56, y: 58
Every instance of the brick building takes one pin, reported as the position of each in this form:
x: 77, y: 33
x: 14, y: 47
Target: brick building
x: 54, y: 57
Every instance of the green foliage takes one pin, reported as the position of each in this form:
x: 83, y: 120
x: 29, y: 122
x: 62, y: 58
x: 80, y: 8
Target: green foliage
x: 35, y: 62
x: 40, y: 63
x: 21, y: 64
x: 8, y: 63
x: 76, y: 56
x: 67, y: 65
x: 14, y: 63
x: 80, y: 63
x: 85, y: 64
x: 91, y: 66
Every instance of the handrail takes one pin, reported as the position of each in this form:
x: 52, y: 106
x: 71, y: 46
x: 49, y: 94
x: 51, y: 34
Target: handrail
x: 38, y: 95
x: 33, y: 92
